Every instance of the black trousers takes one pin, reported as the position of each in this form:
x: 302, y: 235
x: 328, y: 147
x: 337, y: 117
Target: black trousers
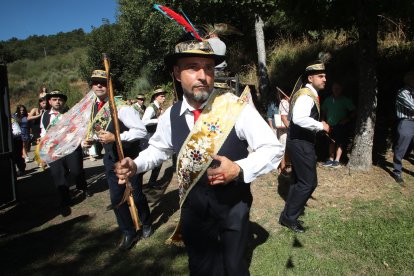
x: 69, y: 165
x: 303, y: 158
x: 215, y: 229
x: 116, y: 191
x: 405, y: 133
x: 17, y: 153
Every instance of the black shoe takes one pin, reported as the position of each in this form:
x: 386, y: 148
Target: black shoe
x: 86, y: 193
x: 146, y: 231
x: 109, y: 207
x: 399, y: 179
x: 127, y: 242
x: 20, y: 173
x: 294, y: 226
x: 64, y: 208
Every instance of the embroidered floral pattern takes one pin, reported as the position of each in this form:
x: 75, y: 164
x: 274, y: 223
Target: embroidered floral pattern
x: 213, y: 127
x: 103, y: 117
x: 206, y: 138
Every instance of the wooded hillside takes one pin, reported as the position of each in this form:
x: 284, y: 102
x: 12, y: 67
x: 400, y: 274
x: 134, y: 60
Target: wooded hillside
x: 370, y: 43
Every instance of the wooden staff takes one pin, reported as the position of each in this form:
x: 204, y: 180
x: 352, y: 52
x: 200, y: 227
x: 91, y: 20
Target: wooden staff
x: 114, y: 116
x: 283, y: 93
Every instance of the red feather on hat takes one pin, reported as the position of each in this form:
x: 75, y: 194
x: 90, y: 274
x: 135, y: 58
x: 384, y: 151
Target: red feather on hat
x: 179, y: 19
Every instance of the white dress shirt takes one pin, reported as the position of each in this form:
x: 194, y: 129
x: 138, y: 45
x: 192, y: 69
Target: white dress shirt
x: 130, y: 118
x: 149, y: 113
x: 53, y: 115
x: 302, y: 110
x: 266, y: 151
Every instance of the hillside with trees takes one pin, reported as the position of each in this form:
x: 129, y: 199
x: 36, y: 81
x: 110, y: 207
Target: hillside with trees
x: 370, y: 43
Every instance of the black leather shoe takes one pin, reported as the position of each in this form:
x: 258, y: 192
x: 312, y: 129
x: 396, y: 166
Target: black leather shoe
x: 146, y: 231
x: 127, y: 242
x: 295, y: 226
x: 399, y: 179
x: 86, y: 193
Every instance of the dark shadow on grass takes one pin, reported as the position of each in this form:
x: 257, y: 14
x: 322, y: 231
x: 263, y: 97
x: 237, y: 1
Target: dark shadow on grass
x: 257, y: 236
x: 74, y: 248
x: 38, y: 200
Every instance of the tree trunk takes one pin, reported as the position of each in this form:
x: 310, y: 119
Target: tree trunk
x: 361, y: 156
x: 261, y: 54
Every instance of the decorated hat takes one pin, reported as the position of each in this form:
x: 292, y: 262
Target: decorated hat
x: 157, y: 92
x: 315, y: 67
x: 99, y: 75
x: 56, y: 93
x: 140, y: 97
x: 192, y: 48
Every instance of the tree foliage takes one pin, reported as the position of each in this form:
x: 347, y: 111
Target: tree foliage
x: 35, y: 47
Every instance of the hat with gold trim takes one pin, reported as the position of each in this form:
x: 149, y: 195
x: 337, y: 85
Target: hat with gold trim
x: 192, y: 48
x: 99, y: 75
x: 56, y: 94
x: 315, y: 67
x: 157, y: 92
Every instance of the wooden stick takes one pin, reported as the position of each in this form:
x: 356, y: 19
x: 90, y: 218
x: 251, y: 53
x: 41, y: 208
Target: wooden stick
x: 114, y: 115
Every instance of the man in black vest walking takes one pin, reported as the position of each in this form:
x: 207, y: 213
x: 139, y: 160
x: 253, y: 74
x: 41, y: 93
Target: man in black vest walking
x: 215, y: 212
x: 132, y: 129
x: 304, y: 123
x: 72, y: 163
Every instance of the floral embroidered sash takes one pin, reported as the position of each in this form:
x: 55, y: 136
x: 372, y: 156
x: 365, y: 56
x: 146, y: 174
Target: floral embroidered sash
x: 103, y: 117
x: 205, y: 139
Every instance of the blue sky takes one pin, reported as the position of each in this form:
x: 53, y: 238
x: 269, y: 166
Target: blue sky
x: 22, y: 18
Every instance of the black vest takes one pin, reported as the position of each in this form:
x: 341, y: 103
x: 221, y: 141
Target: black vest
x: 153, y: 128
x: 300, y: 133
x: 233, y: 148
x: 46, y: 118
x: 130, y: 149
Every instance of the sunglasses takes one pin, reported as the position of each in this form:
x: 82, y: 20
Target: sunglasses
x: 103, y: 83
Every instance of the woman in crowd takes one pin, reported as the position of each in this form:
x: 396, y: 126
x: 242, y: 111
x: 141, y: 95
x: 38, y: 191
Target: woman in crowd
x: 34, y: 116
x: 21, y: 116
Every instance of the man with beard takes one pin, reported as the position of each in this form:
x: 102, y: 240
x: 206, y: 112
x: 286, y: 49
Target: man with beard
x: 304, y: 123
x: 214, y: 167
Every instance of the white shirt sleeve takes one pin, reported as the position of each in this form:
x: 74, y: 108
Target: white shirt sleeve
x: 301, y: 114
x: 148, y: 114
x: 160, y: 146
x: 130, y: 118
x: 267, y: 152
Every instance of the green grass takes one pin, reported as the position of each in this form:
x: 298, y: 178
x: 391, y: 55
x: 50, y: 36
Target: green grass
x: 372, y: 238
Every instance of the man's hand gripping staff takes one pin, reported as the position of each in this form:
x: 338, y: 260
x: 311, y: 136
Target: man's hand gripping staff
x: 114, y: 115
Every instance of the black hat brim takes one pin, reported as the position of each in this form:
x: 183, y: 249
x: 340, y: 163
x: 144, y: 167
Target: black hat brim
x: 171, y: 59
x: 63, y: 96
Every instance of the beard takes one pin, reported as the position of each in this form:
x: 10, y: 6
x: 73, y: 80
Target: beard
x: 199, y: 97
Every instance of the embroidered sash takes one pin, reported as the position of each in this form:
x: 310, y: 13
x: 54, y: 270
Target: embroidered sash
x: 205, y: 139
x: 306, y: 91
x: 103, y: 117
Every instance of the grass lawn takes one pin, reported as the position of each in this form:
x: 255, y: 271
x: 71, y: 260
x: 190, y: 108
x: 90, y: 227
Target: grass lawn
x: 357, y: 224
